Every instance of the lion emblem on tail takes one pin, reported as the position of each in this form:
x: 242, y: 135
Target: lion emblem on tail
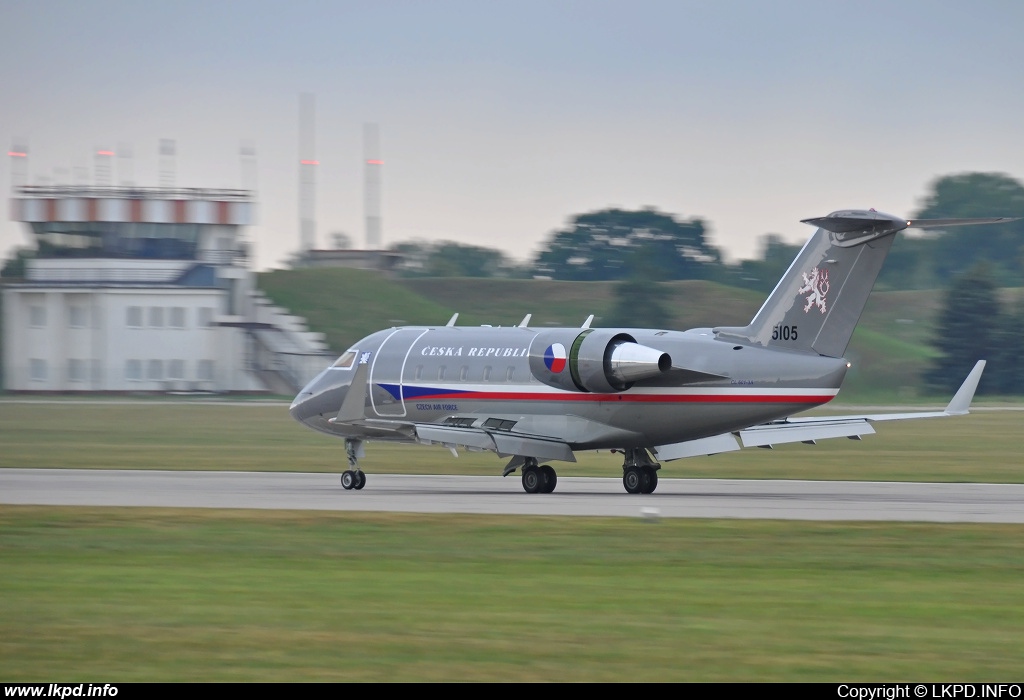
x: 815, y: 287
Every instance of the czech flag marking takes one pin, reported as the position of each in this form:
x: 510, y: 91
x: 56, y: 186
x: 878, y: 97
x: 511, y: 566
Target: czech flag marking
x: 554, y: 357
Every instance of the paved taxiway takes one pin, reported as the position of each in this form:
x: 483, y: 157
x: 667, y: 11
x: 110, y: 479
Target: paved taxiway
x: 675, y: 498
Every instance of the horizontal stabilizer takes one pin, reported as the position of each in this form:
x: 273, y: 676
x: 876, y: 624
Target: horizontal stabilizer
x: 848, y: 224
x: 943, y: 223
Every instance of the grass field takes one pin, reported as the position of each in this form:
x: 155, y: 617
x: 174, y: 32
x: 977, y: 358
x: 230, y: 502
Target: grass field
x: 983, y: 446
x: 117, y: 595
x: 138, y: 594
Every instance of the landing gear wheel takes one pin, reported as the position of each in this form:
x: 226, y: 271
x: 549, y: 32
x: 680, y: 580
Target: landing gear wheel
x: 533, y: 480
x: 633, y: 480
x: 652, y: 479
x: 550, y: 478
x: 360, y: 480
x: 348, y: 480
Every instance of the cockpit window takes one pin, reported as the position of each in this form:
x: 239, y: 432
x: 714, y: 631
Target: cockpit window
x: 347, y: 360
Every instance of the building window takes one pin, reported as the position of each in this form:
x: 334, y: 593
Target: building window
x: 134, y: 317
x: 205, y: 317
x: 133, y: 370
x: 206, y: 370
x: 156, y: 317
x: 176, y: 369
x: 155, y: 370
x: 177, y: 317
x: 77, y: 316
x: 76, y: 370
x: 37, y: 316
x: 37, y: 370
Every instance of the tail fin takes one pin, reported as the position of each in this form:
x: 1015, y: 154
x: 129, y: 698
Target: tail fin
x: 818, y: 302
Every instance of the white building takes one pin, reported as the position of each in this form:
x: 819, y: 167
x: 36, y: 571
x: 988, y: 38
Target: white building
x: 146, y: 290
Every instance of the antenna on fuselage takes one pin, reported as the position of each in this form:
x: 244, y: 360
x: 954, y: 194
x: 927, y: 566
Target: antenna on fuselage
x: 451, y: 321
x: 590, y: 319
x: 526, y: 321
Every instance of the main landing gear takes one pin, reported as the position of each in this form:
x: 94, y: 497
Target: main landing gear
x: 537, y: 478
x: 353, y: 477
x: 639, y: 471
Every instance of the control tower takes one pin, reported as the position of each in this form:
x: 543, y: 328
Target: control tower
x: 144, y: 289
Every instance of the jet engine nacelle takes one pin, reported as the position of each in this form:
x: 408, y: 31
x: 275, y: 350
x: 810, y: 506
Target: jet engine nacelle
x: 594, y: 360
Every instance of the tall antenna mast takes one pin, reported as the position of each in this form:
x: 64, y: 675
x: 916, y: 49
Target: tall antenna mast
x: 307, y: 173
x: 19, y: 164
x: 247, y: 153
x: 168, y: 152
x: 125, y: 171
x: 102, y: 176
x: 371, y: 185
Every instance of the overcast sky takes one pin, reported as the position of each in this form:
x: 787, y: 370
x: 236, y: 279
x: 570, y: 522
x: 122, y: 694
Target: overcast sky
x: 500, y: 120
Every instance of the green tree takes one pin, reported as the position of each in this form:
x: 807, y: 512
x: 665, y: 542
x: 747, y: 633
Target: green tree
x: 967, y: 331
x: 958, y: 249
x: 639, y: 303
x: 616, y: 244
x: 449, y: 259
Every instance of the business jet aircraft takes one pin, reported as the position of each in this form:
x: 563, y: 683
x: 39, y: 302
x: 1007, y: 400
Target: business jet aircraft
x: 538, y: 395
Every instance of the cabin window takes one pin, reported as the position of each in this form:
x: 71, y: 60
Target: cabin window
x: 487, y: 373
x: 463, y: 373
x: 419, y: 372
x: 510, y: 374
x: 440, y: 372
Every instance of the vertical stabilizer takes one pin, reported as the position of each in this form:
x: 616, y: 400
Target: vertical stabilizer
x: 818, y: 302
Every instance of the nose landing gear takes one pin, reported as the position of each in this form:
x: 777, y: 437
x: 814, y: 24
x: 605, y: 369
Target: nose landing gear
x: 353, y: 477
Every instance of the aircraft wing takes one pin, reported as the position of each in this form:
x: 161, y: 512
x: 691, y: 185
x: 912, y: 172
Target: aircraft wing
x: 811, y: 429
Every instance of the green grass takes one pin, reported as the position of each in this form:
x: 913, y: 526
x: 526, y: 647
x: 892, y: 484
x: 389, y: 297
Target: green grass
x: 170, y: 595
x: 983, y: 446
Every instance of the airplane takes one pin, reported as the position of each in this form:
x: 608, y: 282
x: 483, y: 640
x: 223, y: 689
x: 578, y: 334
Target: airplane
x: 538, y: 395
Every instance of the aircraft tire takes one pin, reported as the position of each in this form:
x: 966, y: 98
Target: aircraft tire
x: 651, y: 479
x: 550, y: 478
x: 348, y: 479
x: 633, y: 480
x: 533, y: 480
x: 360, y: 481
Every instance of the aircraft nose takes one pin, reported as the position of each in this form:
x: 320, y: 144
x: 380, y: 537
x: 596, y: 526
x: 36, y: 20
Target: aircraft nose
x: 299, y: 409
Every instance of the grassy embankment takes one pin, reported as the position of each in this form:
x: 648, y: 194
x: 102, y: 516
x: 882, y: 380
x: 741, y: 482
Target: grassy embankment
x: 890, y: 349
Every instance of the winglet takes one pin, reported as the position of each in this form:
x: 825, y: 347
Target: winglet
x: 451, y: 321
x: 590, y: 319
x: 526, y: 321
x: 961, y: 402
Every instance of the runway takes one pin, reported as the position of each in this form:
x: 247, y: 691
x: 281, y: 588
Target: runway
x: 675, y: 498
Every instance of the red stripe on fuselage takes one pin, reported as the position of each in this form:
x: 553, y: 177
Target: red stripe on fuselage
x: 637, y: 398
